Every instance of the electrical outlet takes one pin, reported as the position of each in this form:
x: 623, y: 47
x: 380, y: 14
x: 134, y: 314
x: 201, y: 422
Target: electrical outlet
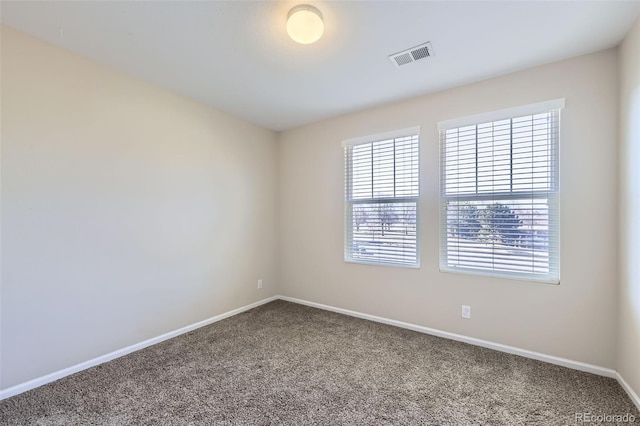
x: 260, y: 283
x: 466, y: 312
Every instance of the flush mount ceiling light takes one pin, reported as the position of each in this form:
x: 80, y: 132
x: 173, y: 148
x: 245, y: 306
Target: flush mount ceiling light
x: 304, y: 24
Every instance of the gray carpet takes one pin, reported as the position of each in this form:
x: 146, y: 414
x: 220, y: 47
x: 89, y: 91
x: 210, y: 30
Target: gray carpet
x: 284, y: 363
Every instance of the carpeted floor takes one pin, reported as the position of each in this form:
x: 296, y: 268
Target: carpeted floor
x: 284, y: 363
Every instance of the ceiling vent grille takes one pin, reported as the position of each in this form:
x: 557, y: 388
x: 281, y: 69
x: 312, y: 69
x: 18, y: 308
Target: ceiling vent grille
x: 408, y: 56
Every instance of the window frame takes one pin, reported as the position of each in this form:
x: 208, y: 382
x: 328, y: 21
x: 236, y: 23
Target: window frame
x: 349, y: 203
x: 552, y: 194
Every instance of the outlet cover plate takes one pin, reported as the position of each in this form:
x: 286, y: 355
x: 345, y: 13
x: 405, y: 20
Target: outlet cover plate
x: 466, y: 312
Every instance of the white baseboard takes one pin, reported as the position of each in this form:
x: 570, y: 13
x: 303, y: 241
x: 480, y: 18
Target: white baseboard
x: 632, y: 394
x: 31, y: 384
x: 576, y: 365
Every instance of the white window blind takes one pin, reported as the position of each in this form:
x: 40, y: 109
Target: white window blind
x: 381, y: 200
x: 499, y: 195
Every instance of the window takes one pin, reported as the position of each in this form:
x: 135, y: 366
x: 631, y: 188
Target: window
x: 381, y: 199
x: 499, y: 193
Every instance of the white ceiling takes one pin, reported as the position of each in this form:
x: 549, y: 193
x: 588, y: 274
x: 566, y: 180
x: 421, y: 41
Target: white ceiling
x: 236, y: 55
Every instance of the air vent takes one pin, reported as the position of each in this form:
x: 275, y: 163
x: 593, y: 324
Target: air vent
x: 408, y: 56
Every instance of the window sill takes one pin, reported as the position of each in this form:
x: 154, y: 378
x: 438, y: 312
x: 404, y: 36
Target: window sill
x: 393, y: 265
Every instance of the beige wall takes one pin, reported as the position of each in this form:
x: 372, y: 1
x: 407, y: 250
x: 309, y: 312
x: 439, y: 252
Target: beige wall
x: 629, y: 294
x: 574, y: 320
x: 127, y: 211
